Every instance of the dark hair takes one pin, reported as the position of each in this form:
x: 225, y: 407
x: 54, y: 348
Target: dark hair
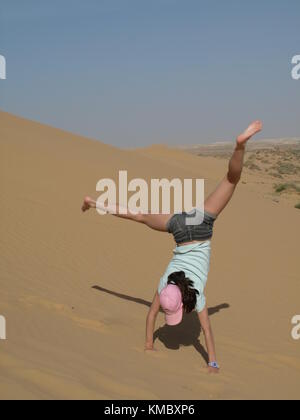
x: 186, y: 286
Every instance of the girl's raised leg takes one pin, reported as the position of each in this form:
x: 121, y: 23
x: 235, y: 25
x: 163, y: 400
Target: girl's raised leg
x: 214, y: 204
x: 219, y: 199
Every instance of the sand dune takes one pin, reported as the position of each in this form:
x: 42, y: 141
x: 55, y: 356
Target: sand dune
x: 75, y: 298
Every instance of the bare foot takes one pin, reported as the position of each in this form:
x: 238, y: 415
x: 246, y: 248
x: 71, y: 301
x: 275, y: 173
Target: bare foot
x: 87, y: 204
x: 253, y: 129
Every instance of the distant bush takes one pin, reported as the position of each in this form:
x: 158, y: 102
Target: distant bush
x: 297, y: 206
x: 281, y: 187
x: 287, y: 169
x: 252, y: 166
x: 296, y: 152
x: 276, y: 175
x: 287, y: 186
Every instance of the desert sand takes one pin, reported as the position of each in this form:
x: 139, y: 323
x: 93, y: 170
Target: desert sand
x: 75, y: 299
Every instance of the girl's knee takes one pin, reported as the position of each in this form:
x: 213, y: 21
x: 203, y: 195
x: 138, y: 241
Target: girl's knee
x: 233, y: 179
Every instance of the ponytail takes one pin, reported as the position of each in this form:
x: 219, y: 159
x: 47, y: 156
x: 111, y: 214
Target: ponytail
x: 186, y: 286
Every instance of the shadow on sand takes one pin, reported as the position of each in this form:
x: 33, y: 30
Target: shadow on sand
x: 185, y: 334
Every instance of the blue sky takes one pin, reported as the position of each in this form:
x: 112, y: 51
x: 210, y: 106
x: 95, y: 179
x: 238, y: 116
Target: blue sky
x: 137, y: 72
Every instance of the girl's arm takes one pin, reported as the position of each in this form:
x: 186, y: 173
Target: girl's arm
x: 151, y: 319
x: 209, y: 339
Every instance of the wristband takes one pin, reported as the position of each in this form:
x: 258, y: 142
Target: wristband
x: 214, y: 365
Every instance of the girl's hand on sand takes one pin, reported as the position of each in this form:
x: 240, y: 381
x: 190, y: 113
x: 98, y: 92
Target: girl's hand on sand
x: 149, y: 347
x: 213, y: 371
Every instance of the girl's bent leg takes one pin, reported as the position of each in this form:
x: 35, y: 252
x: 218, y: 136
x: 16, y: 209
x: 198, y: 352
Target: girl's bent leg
x: 154, y: 221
